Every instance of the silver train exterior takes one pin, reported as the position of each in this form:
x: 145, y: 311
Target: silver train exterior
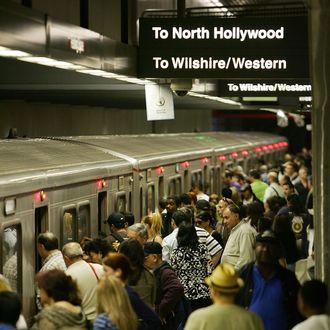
x: 69, y: 185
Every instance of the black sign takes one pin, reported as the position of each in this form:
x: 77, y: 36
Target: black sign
x: 272, y: 47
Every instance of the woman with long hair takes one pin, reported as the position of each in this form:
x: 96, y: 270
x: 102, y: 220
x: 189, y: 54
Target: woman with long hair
x: 192, y: 263
x: 118, y: 265
x: 153, y: 223
x: 283, y: 229
x: 112, y: 302
x: 141, y: 279
x: 60, y: 300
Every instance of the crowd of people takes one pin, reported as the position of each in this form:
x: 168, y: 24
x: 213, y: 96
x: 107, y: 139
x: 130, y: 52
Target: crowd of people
x: 201, y: 261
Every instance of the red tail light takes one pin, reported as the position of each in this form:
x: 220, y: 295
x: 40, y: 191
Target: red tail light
x: 185, y: 164
x: 222, y: 158
x: 205, y: 160
x: 160, y: 170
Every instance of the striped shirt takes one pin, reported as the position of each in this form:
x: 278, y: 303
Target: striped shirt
x: 103, y: 322
x: 170, y: 243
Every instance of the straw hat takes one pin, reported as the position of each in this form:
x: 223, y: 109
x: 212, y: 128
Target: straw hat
x: 225, y: 279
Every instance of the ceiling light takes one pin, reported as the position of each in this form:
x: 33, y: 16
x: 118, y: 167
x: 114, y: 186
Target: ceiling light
x: 50, y: 62
x: 7, y: 52
x: 214, y: 98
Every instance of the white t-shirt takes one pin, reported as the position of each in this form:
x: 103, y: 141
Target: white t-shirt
x: 202, y: 196
x: 315, y: 322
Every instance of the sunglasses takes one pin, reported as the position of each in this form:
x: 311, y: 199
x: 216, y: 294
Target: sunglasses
x: 228, y: 201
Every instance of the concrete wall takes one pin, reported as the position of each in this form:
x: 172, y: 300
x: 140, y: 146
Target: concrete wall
x: 41, y: 119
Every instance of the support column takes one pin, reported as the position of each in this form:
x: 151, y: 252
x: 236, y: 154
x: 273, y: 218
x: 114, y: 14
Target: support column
x: 319, y: 15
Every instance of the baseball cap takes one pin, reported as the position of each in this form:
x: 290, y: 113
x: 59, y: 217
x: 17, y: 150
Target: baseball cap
x: 116, y: 219
x: 203, y: 205
x: 152, y: 248
x: 267, y: 236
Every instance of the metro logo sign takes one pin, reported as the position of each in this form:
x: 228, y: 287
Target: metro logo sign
x: 222, y: 48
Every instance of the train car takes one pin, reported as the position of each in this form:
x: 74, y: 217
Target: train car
x: 69, y: 185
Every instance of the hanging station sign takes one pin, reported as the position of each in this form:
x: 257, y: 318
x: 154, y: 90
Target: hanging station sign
x: 222, y: 48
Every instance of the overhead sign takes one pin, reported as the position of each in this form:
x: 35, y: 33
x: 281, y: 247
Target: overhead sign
x: 211, y: 47
x: 159, y: 102
x: 277, y: 87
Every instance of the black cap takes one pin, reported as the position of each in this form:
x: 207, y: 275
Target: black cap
x: 268, y: 236
x: 116, y: 219
x: 203, y: 205
x: 152, y: 248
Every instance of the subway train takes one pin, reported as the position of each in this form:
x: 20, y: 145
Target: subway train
x: 69, y: 185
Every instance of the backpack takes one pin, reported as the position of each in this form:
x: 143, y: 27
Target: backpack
x: 181, y: 311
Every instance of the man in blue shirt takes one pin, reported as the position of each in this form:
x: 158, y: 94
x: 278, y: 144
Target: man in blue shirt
x: 270, y: 290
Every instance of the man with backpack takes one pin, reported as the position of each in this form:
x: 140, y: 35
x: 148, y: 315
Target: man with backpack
x: 169, y: 304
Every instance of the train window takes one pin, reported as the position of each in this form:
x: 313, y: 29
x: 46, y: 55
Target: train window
x: 174, y: 186
x: 151, y: 198
x: 69, y: 223
x: 84, y: 215
x: 12, y: 257
x: 160, y: 187
x: 102, y: 209
x: 171, y: 188
x: 196, y: 177
x: 121, y: 202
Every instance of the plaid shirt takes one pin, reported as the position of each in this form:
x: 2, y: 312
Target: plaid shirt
x: 53, y: 261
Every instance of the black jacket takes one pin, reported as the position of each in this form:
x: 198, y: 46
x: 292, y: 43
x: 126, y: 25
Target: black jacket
x: 290, y: 287
x: 169, y: 290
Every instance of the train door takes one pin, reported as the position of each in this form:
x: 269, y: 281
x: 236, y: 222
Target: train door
x: 102, y: 209
x: 41, y: 225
